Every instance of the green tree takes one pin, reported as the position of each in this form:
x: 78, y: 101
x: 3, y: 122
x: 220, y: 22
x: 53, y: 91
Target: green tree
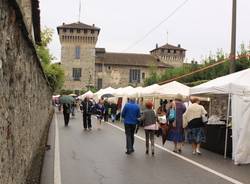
x: 153, y: 76
x: 53, y: 72
x: 222, y: 69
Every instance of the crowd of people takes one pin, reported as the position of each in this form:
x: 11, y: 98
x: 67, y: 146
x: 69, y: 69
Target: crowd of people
x: 173, y: 120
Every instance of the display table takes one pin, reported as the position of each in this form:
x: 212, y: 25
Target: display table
x: 215, y: 139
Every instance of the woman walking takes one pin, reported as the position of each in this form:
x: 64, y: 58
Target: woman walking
x: 149, y: 122
x: 193, y: 119
x: 66, y: 113
x: 99, y: 107
x: 175, y: 115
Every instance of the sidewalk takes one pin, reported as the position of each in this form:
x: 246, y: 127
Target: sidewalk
x: 47, y: 175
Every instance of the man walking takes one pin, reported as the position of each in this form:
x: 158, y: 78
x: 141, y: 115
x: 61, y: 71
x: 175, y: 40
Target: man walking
x: 86, y: 111
x: 130, y: 114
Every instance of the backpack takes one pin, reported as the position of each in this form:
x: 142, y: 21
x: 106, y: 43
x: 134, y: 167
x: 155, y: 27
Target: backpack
x: 172, y: 114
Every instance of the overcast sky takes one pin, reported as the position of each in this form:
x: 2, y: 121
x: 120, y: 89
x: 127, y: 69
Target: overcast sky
x: 200, y: 26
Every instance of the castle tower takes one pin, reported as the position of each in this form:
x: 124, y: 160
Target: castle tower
x: 169, y: 54
x: 78, y: 43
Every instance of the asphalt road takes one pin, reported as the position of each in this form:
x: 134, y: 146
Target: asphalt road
x: 98, y: 157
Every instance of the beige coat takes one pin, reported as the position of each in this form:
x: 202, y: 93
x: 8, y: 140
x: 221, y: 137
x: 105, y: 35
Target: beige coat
x: 193, y: 111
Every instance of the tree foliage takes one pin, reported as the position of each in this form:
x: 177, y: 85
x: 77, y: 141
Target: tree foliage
x: 53, y: 72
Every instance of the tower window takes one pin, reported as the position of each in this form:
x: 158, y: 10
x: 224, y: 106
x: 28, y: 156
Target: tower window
x: 77, y: 52
x: 76, y: 74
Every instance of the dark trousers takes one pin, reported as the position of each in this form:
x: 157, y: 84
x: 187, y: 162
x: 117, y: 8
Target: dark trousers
x: 149, y: 134
x: 66, y: 118
x: 86, y: 121
x: 106, y: 117
x: 129, y: 131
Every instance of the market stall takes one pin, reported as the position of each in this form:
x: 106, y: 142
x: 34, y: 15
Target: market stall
x: 237, y: 88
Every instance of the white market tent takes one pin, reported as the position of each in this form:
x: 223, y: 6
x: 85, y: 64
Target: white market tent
x: 121, y: 92
x: 135, y: 92
x: 237, y: 86
x: 149, y: 90
x: 89, y: 94
x: 171, y: 89
x: 108, y: 90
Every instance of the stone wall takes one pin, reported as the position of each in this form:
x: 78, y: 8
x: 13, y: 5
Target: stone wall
x: 24, y: 98
x: 117, y: 76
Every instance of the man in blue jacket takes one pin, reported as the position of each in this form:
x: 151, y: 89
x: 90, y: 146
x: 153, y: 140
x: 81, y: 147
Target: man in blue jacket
x: 130, y: 114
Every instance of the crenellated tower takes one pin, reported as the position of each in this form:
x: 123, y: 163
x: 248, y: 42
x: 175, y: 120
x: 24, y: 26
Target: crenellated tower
x: 78, y: 41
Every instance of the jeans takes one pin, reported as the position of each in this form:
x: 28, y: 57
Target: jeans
x: 129, y: 131
x: 113, y: 117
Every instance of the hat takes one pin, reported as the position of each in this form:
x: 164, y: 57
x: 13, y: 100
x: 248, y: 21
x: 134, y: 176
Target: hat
x: 179, y: 97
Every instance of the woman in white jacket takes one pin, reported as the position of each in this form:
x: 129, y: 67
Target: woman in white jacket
x: 192, y: 119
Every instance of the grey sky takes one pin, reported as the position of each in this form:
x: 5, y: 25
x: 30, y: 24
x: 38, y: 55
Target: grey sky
x: 200, y: 26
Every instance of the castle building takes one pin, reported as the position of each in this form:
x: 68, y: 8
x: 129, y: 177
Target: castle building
x: 86, y: 66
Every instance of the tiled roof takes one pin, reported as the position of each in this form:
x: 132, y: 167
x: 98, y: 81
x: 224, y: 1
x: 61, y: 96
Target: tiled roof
x: 168, y: 46
x: 130, y: 59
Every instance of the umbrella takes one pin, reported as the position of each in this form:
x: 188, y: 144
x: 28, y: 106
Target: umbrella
x: 74, y: 95
x: 66, y: 99
x: 107, y: 95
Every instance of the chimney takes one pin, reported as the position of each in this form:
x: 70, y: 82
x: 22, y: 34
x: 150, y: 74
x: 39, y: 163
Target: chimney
x: 93, y: 25
x: 156, y: 46
x: 63, y: 23
x: 179, y: 45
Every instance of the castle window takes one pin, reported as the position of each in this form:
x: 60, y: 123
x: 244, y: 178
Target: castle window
x: 175, y: 51
x: 99, y: 84
x: 78, y: 30
x: 77, y: 52
x: 76, y: 74
x: 71, y: 30
x: 92, y: 31
x: 169, y: 51
x: 134, y: 75
x: 64, y: 30
x: 85, y: 31
x: 99, y: 68
x: 143, y: 75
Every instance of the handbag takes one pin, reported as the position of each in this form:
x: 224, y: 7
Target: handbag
x: 204, y: 119
x: 162, y: 119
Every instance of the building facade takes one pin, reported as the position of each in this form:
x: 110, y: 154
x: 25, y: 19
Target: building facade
x: 87, y: 66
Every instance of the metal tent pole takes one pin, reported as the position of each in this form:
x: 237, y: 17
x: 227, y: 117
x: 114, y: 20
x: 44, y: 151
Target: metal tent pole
x: 227, y: 122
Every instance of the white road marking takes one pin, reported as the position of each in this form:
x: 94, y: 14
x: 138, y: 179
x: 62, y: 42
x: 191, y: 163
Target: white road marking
x: 57, y: 167
x: 232, y: 180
